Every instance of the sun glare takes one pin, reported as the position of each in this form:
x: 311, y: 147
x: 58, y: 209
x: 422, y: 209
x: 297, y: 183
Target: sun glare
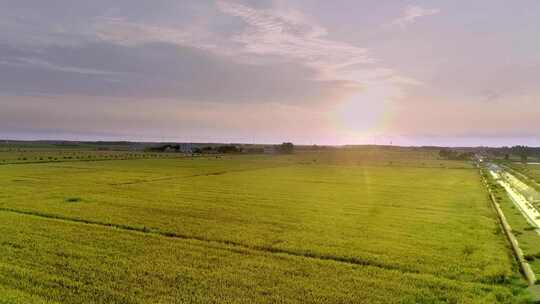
x: 367, y: 112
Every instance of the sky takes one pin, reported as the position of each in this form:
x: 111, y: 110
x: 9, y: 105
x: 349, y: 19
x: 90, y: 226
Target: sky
x: 454, y: 73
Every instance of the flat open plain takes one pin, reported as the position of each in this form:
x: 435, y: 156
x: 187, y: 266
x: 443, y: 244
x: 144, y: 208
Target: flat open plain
x: 312, y: 227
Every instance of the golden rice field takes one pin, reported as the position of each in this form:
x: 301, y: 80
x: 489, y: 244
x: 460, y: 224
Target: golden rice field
x: 314, y: 227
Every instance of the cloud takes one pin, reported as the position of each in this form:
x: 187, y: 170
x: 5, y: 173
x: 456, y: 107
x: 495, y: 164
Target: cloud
x: 291, y: 36
x: 412, y: 13
x: 160, y: 70
x: 245, y: 56
x: 35, y: 63
x: 265, y: 37
x: 262, y: 55
x: 123, y: 32
x: 491, y: 96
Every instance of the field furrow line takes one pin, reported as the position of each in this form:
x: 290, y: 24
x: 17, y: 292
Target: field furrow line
x: 261, y: 248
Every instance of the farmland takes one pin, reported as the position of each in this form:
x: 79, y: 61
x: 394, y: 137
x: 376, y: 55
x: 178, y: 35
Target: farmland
x: 524, y: 232
x: 522, y: 219
x: 366, y: 226
x: 532, y: 171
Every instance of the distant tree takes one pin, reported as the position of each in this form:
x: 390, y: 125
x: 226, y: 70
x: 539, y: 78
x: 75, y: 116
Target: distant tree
x: 207, y: 149
x: 229, y: 149
x: 465, y: 156
x: 522, y: 151
x: 455, y: 155
x: 447, y: 154
x: 285, y: 148
x: 444, y: 153
x: 254, y: 150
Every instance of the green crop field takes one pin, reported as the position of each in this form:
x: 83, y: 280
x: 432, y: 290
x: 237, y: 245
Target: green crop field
x: 531, y: 170
x: 314, y: 227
